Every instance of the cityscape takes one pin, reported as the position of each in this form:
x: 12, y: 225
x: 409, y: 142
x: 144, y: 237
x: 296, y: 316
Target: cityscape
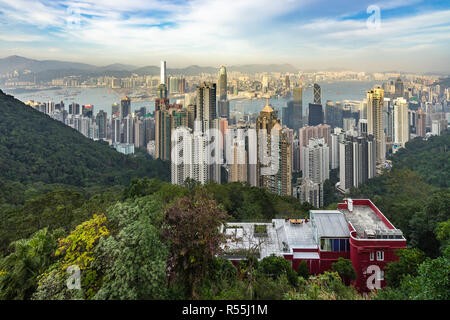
x: 327, y: 182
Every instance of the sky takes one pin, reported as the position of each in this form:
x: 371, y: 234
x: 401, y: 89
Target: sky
x: 359, y: 35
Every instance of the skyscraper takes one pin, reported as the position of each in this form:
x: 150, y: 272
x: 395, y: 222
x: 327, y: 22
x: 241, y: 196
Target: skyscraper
x: 399, y: 88
x: 264, y: 123
x: 317, y: 94
x: 357, y: 161
x: 401, y: 123
x: 315, y: 114
x: 293, y: 113
x: 163, y: 74
x: 223, y: 83
x: 316, y: 160
x: 101, y: 120
x: 125, y: 107
x: 206, y: 105
x: 375, y: 99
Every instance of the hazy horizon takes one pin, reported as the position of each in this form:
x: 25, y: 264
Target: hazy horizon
x: 406, y: 36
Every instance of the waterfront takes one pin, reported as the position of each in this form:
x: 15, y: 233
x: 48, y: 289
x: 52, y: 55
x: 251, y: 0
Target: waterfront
x: 103, y: 98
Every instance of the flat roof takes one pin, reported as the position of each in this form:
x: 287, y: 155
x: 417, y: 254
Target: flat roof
x: 364, y: 218
x: 330, y: 223
x: 298, y: 236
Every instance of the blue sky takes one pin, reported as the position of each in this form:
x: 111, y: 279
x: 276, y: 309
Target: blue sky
x: 412, y: 35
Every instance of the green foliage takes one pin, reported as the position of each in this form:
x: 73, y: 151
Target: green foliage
x: 133, y: 260
x: 407, y: 264
x: 77, y: 249
x: 344, y: 269
x: 326, y: 286
x: 192, y: 230
x: 303, y: 270
x: 274, y: 267
x: 431, y: 283
x: 429, y: 158
x: 37, y: 149
x: 30, y: 257
x: 62, y: 208
x: 443, y: 235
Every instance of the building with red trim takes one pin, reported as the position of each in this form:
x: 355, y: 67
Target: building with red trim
x: 357, y: 230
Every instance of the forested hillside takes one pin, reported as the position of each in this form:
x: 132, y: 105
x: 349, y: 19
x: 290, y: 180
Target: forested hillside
x: 37, y: 151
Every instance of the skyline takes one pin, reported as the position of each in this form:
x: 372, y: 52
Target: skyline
x: 307, y: 34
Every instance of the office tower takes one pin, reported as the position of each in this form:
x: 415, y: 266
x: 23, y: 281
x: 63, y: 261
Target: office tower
x: 128, y: 130
x: 362, y: 126
x: 238, y: 161
x: 149, y: 127
x: 316, y: 160
x: 287, y: 82
x: 101, y: 120
x: 49, y: 107
x: 125, y: 107
x: 401, y: 123
x: 292, y: 114
x: 388, y: 121
x: 222, y: 83
x: 421, y: 128
x: 334, y: 114
x: 162, y: 91
x: 375, y: 99
x: 223, y: 109
x: 317, y: 94
x: 296, y: 155
x: 315, y: 114
x: 265, y: 122
x: 163, y: 74
x: 399, y: 88
x: 88, y: 110
x: 206, y: 105
x: 307, y: 133
x: 115, y: 113
x: 116, y: 131
x: 191, y: 115
x: 74, y: 108
x: 139, y: 134
x: 162, y: 134
x: 357, y: 161
x: 336, y: 138
x: 297, y: 109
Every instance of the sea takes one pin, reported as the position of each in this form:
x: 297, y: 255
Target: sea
x: 103, y: 98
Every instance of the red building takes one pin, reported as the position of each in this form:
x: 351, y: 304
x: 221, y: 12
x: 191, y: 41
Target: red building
x: 357, y: 230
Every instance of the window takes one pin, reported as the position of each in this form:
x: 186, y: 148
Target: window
x: 325, y: 244
x: 372, y: 256
x: 380, y: 255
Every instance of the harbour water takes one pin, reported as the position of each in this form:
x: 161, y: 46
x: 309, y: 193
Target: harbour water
x: 103, y: 98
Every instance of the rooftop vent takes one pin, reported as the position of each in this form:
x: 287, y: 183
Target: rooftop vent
x: 350, y: 205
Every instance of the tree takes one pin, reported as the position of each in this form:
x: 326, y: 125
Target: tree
x: 274, y: 267
x: 192, y: 229
x: 133, y: 261
x: 303, y: 270
x: 407, y: 264
x: 20, y: 269
x: 76, y: 250
x: 344, y: 269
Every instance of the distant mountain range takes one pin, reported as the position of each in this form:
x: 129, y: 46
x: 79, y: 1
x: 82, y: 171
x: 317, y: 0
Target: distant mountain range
x: 55, y: 67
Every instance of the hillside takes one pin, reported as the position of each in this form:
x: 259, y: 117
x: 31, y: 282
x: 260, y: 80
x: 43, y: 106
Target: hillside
x: 37, y: 149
